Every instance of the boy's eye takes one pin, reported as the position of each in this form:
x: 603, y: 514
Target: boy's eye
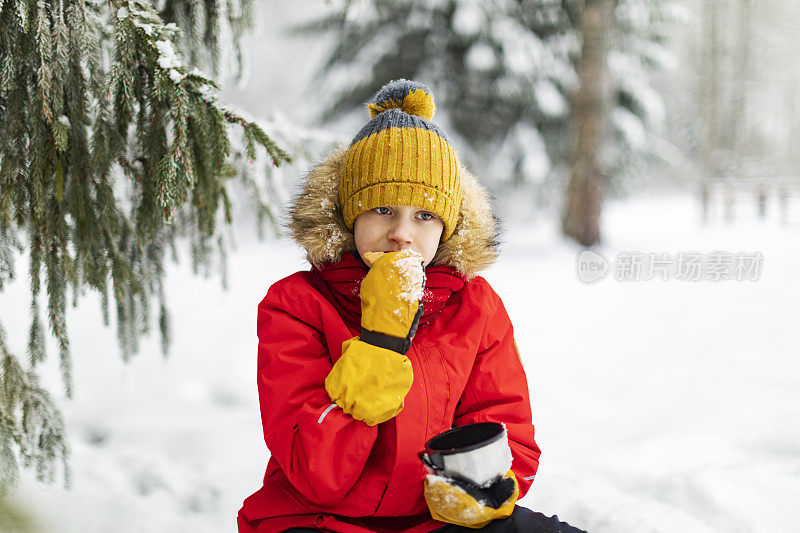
x: 382, y: 210
x: 426, y: 216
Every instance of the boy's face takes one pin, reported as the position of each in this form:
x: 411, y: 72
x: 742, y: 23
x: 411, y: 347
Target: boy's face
x: 398, y: 227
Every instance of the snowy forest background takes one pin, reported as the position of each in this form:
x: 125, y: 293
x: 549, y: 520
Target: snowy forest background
x: 660, y: 404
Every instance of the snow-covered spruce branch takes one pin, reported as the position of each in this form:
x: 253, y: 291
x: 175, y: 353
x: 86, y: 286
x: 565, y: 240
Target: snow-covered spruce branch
x: 29, y: 422
x: 111, y: 148
x: 211, y: 33
x: 188, y: 93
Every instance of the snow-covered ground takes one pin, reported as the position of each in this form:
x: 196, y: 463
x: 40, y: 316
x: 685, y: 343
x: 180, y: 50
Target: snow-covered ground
x: 660, y: 406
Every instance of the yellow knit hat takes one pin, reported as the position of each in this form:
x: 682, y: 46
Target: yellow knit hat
x: 401, y: 158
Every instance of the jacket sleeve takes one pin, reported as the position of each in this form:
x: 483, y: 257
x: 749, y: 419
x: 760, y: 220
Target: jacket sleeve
x: 321, y: 450
x: 497, y: 391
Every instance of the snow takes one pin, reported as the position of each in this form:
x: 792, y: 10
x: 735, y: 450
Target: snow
x: 148, y: 28
x: 468, y: 19
x: 362, y: 12
x: 167, y: 57
x: 433, y: 478
x: 522, y: 149
x: 480, y: 57
x: 549, y: 98
x: 453, y: 497
x: 523, y: 51
x: 168, y: 60
x: 630, y: 127
x: 660, y: 406
x: 409, y: 267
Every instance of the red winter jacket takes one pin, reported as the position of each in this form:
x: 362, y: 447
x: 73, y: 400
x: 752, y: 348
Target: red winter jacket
x: 330, y: 471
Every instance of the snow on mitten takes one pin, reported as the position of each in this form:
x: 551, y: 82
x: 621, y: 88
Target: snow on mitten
x: 391, y: 295
x: 463, y: 504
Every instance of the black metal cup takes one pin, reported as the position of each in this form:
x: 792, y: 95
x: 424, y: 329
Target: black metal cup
x: 440, y: 452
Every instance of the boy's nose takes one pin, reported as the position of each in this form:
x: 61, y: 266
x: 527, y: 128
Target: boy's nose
x: 400, y: 233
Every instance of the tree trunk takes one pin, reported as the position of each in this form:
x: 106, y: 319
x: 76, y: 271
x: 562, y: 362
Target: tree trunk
x: 741, y: 73
x: 710, y: 98
x: 792, y: 106
x: 581, y: 219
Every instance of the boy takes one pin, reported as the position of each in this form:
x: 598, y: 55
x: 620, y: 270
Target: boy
x: 347, y: 399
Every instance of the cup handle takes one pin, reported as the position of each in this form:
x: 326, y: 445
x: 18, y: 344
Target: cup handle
x: 431, y: 461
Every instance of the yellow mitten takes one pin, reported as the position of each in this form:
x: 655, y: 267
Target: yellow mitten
x: 368, y: 382
x: 391, y: 294
x: 371, y: 379
x: 455, y: 502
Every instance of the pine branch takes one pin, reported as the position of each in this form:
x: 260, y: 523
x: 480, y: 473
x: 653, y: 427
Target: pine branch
x: 30, y: 424
x: 111, y: 148
x: 211, y: 33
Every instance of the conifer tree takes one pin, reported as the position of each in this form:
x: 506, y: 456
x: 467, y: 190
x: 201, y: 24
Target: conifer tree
x: 112, y: 148
x: 503, y: 73
x: 210, y: 33
x: 498, y: 69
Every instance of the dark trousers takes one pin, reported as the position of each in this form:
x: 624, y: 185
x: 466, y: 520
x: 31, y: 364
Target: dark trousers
x: 521, y: 520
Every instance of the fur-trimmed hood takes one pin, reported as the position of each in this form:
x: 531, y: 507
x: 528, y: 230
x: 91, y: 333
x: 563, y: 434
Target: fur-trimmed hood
x: 316, y: 222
